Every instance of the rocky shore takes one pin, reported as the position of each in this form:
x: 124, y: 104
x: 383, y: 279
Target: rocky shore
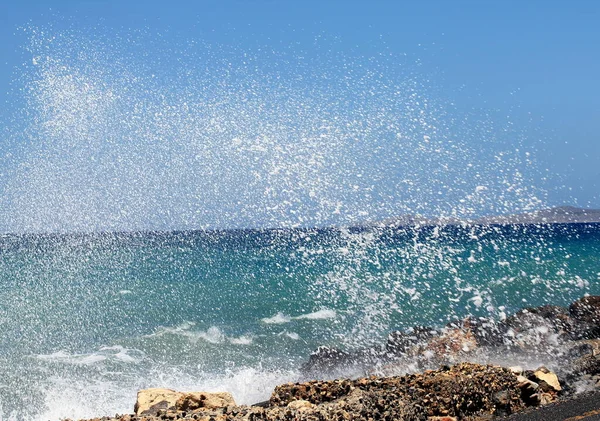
x: 455, y: 390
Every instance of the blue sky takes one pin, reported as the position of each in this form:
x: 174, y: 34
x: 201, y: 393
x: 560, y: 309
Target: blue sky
x: 532, y: 66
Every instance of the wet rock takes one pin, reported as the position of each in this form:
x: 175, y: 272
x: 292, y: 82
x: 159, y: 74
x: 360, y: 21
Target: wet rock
x: 451, y: 345
x: 325, y: 359
x: 536, y: 327
x: 401, y: 342
x: 586, y: 309
x: 586, y: 312
x: 461, y: 390
x: 485, y: 331
x: 587, y: 357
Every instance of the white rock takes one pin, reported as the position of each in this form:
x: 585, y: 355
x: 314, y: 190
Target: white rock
x: 549, y: 377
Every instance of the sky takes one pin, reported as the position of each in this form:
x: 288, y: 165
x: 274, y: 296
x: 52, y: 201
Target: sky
x: 528, y: 69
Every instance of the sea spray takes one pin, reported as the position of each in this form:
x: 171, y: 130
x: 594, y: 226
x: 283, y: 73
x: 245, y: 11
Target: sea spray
x: 193, y: 136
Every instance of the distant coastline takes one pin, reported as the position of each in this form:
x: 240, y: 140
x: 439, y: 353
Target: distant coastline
x: 556, y: 215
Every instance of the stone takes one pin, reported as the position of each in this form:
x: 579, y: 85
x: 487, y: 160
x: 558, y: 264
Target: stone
x: 452, y: 343
x: 151, y: 401
x: 545, y: 375
x: 324, y: 359
x: 586, y: 309
x: 300, y: 404
x: 203, y: 400
x: 400, y: 342
x: 516, y: 369
x: 586, y: 313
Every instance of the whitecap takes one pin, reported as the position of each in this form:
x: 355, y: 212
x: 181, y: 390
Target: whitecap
x: 277, y: 319
x: 241, y: 340
x: 292, y: 335
x: 318, y: 315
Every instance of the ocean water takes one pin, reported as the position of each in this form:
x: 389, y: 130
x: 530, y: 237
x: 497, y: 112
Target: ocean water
x: 87, y: 320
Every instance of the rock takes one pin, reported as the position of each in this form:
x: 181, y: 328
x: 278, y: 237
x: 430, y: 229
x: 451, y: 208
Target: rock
x: 202, y: 400
x: 586, y: 309
x: 324, y: 359
x: 485, y: 331
x: 400, y: 342
x: 586, y: 312
x: 451, y: 344
x: 300, y: 404
x: 151, y: 401
x: 516, y: 369
x: 458, y: 391
x: 539, y: 327
x: 551, y: 379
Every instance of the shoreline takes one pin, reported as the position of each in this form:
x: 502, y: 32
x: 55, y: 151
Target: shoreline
x: 457, y: 390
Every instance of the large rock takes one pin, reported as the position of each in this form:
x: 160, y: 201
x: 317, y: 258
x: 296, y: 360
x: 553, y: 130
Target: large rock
x: 400, y: 343
x: 586, y: 309
x: 201, y: 400
x: 153, y: 401
x: 539, y: 328
x: 461, y: 391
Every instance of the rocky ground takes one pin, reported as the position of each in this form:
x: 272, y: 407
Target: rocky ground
x: 454, y: 391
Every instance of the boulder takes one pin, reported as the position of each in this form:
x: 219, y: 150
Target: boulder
x: 586, y: 309
x: 201, y: 400
x: 400, y: 342
x: 539, y: 328
x: 325, y: 360
x: 547, y: 376
x: 586, y: 313
x: 153, y: 401
x: 452, y: 344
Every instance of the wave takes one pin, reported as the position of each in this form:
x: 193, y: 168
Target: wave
x: 106, y: 353
x: 281, y: 318
x: 213, y: 334
x: 75, y: 398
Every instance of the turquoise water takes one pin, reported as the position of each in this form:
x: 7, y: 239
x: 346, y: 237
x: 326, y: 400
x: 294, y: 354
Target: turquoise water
x: 87, y: 320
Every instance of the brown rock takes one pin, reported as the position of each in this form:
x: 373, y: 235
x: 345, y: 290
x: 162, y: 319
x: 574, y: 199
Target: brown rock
x: 202, y: 400
x: 151, y: 401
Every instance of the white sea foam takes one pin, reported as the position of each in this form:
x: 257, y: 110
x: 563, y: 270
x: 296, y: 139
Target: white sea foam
x: 292, y: 335
x: 213, y: 334
x: 81, y: 399
x: 112, y: 353
x: 277, y: 319
x: 322, y: 314
x: 281, y: 318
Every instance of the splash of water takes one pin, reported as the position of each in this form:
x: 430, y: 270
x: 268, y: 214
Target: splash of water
x: 126, y: 133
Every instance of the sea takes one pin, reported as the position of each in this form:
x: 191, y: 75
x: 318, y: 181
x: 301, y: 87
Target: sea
x: 86, y: 320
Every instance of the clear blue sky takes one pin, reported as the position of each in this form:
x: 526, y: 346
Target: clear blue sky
x: 533, y: 63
